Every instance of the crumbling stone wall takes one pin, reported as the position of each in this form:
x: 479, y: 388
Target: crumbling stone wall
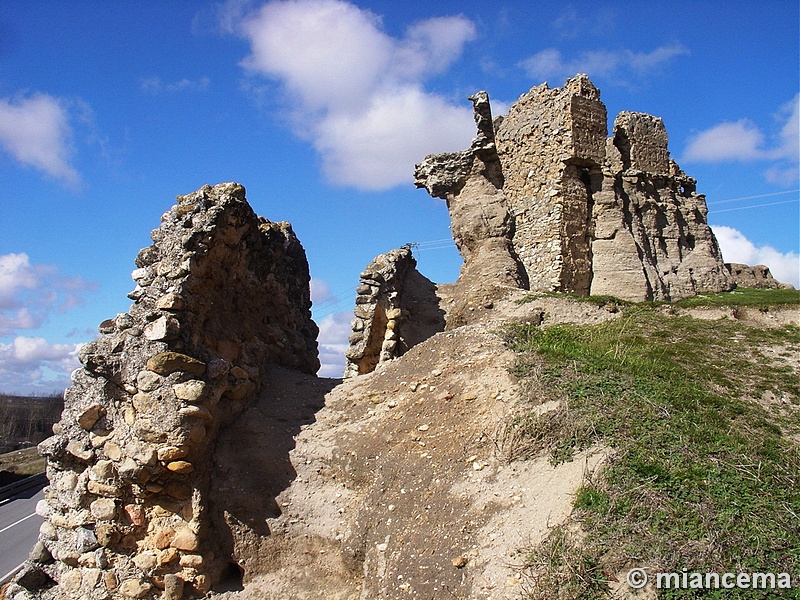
x: 396, y: 308
x: 220, y: 295
x: 551, y: 146
x: 575, y: 210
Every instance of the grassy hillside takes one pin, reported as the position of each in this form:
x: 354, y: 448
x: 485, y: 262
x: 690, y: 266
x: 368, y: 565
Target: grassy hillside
x: 703, y: 419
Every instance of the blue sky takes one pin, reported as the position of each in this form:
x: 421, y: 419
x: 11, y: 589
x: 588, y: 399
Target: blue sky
x: 320, y: 109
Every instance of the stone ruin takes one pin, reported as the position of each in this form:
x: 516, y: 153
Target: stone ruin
x: 221, y: 295
x: 562, y: 207
x: 541, y: 200
x: 396, y: 308
x: 544, y: 200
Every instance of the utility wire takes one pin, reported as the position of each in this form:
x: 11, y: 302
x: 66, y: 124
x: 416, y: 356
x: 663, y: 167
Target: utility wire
x: 752, y: 197
x: 756, y: 206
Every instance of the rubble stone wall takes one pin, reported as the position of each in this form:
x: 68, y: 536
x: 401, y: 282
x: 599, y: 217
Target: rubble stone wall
x: 396, y: 308
x: 586, y: 213
x: 220, y: 295
x: 550, y: 142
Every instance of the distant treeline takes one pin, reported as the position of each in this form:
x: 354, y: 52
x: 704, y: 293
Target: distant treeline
x: 27, y: 420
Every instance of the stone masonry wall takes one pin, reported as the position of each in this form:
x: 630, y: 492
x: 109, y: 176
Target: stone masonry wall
x: 396, y: 308
x: 551, y: 144
x: 586, y: 213
x: 220, y: 295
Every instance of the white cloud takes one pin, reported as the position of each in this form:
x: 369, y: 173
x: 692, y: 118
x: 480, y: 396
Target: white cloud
x: 334, y: 331
x: 737, y: 248
x: 28, y: 292
x: 35, y: 131
x: 744, y: 141
x: 739, y: 141
x: 357, y: 93
x: 33, y: 365
x: 551, y: 64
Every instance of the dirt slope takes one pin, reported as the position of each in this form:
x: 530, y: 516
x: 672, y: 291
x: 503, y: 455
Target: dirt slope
x: 401, y: 485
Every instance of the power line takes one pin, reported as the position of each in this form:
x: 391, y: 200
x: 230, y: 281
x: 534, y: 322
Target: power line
x: 752, y: 197
x: 756, y: 206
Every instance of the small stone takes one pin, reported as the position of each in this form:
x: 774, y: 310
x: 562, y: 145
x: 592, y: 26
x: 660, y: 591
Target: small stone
x: 393, y: 314
x: 104, y: 469
x: 190, y: 391
x: 173, y: 587
x: 112, y: 451
x: 103, y: 489
x: 239, y: 373
x: 103, y: 509
x: 163, y: 538
x: 459, y: 562
x: 202, y: 583
x: 100, y: 558
x: 90, y: 416
x: 40, y: 554
x: 71, y: 580
x: 219, y: 367
x: 200, y: 412
x: 135, y: 513
x: 134, y: 588
x: 85, y: 540
x: 147, y: 381
x: 144, y: 402
x: 163, y: 328
x: 77, y: 450
x: 186, y: 540
x: 436, y: 372
x: 107, y: 326
x: 97, y: 441
x: 424, y: 427
x: 165, y: 363
x: 110, y: 580
x: 180, y: 466
x: 107, y: 534
x: 477, y: 466
x: 124, y: 321
x: 194, y: 561
x: 87, y: 559
x: 171, y: 301
x: 145, y: 561
x: 170, y: 453
x: 48, y: 531
x: 167, y: 555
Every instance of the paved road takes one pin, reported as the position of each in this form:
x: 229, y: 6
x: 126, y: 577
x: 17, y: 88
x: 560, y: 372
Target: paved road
x: 19, y: 528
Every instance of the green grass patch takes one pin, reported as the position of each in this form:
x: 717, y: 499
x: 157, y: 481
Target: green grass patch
x: 744, y: 297
x: 740, y: 297
x: 703, y: 417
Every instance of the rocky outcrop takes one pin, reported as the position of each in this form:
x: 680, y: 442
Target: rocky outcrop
x: 221, y: 295
x: 651, y: 238
x: 472, y: 183
x: 758, y: 277
x: 567, y: 209
x: 396, y: 308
